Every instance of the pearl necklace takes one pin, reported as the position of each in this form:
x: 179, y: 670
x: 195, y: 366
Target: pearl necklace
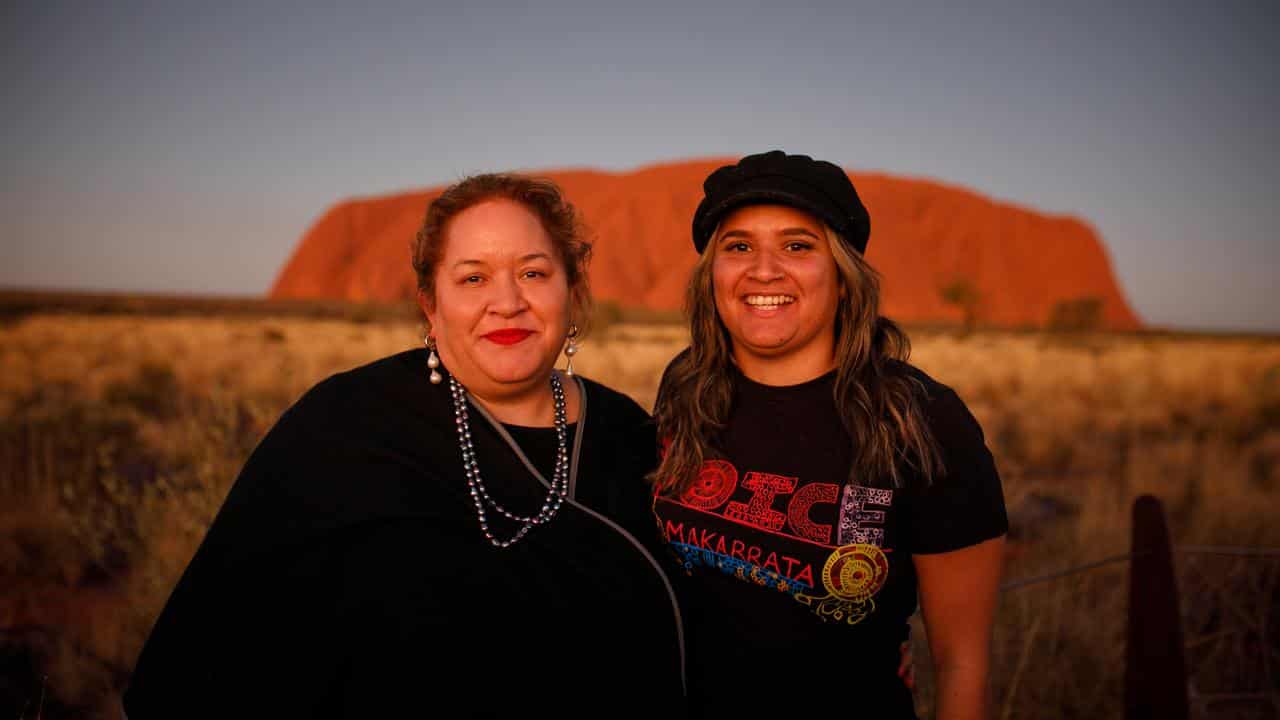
x: 480, y: 495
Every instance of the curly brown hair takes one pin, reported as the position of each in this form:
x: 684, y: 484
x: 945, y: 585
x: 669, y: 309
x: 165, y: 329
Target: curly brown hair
x: 541, y: 197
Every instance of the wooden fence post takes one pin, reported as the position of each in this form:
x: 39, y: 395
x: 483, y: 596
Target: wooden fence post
x: 1155, y: 672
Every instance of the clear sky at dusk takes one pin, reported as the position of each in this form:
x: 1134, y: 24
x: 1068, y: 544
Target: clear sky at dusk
x: 186, y: 147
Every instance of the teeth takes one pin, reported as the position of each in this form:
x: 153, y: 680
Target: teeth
x: 769, y: 301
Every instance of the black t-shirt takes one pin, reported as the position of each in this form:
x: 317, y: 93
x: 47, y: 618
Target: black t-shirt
x: 799, y: 583
x: 346, y: 575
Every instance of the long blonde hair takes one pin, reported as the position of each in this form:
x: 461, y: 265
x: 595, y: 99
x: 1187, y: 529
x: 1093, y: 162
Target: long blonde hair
x: 880, y: 403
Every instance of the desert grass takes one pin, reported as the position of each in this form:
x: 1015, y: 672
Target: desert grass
x: 120, y: 434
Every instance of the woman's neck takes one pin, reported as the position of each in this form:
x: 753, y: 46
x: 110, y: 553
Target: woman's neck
x: 531, y: 406
x: 790, y: 369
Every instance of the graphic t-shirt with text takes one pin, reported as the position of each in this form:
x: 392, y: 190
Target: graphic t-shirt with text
x: 799, y: 581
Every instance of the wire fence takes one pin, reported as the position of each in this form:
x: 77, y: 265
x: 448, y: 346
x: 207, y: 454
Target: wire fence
x: 1125, y: 557
x: 1198, y: 703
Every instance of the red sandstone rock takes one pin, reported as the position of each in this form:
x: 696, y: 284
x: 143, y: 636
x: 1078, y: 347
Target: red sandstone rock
x: 924, y: 236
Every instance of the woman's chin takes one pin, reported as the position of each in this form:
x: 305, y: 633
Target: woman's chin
x: 766, y: 344
x: 518, y: 372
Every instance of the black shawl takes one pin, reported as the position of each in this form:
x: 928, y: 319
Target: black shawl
x: 346, y: 574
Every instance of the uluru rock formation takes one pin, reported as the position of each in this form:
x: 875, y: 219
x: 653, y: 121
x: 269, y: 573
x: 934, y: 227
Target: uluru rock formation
x: 925, y: 236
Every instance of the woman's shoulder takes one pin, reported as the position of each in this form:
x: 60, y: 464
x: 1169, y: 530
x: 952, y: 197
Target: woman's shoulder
x: 618, y: 408
x: 965, y: 505
x: 393, y: 373
x: 679, y: 358
x: 931, y: 387
x: 946, y: 411
x: 361, y: 405
x: 322, y: 451
x: 664, y: 381
x: 372, y: 382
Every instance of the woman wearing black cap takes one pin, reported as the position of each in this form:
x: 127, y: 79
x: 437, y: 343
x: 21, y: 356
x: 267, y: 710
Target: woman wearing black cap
x: 813, y: 482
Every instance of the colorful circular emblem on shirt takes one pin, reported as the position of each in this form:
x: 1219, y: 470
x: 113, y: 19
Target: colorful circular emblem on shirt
x: 716, y: 481
x: 855, y: 572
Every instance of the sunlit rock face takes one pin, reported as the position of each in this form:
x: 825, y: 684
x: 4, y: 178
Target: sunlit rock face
x: 1021, y: 266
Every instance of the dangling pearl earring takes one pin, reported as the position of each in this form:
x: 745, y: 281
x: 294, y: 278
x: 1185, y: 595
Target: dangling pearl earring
x: 571, y: 349
x: 433, y: 362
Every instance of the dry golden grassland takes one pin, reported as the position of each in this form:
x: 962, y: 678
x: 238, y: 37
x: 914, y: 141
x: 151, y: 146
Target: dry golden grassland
x: 119, y: 436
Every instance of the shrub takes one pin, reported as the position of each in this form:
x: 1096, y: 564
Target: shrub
x: 1083, y: 314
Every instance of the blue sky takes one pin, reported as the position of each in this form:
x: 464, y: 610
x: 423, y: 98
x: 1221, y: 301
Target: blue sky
x: 186, y: 147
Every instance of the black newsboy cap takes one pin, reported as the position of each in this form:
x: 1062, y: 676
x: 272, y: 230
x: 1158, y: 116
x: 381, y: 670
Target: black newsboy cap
x: 815, y: 186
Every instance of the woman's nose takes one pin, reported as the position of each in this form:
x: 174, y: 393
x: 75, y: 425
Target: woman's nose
x: 765, y: 266
x: 508, y: 297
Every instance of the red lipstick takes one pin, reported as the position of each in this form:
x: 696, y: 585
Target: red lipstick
x: 507, y: 336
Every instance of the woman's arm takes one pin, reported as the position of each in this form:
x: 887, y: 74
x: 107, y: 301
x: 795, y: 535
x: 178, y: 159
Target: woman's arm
x: 958, y: 593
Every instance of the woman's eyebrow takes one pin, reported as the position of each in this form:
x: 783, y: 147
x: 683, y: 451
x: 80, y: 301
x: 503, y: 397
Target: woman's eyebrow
x: 798, y: 231
x: 468, y: 262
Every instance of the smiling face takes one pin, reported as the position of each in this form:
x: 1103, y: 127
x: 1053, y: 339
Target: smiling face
x: 501, y: 307
x: 776, y: 289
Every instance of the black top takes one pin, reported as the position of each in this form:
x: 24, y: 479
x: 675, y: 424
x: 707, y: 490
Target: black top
x: 799, y: 582
x: 346, y: 574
